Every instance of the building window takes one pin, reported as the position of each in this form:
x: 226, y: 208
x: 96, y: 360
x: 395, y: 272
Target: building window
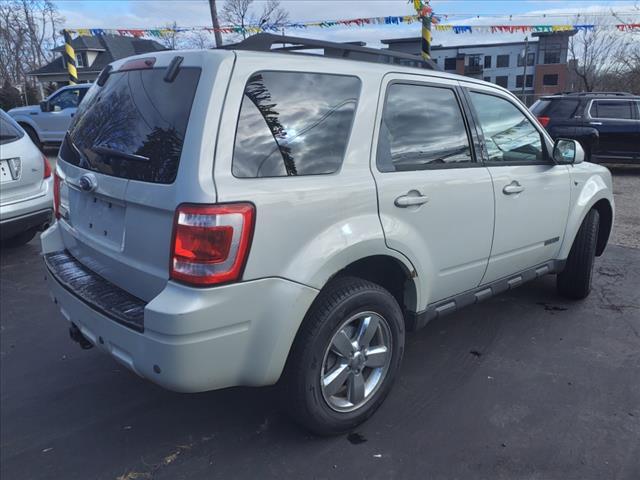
x: 487, y: 61
x: 503, y: 81
x: 550, y: 80
x: 552, y: 55
x: 450, y: 63
x: 80, y: 59
x: 531, y: 59
x: 503, y: 61
x: 487, y: 79
x: 435, y: 60
x: 529, y: 81
x: 475, y: 60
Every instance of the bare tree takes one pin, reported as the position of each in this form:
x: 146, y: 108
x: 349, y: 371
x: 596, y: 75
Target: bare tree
x: 171, y: 38
x: 242, y: 14
x: 200, y: 40
x: 29, y: 29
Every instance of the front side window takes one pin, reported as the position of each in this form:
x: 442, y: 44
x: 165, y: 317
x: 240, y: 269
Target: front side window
x: 66, y: 99
x: 508, y: 134
x: 422, y: 127
x: 294, y: 123
x: 617, y: 109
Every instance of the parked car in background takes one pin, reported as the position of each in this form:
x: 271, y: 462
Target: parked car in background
x: 26, y: 185
x: 607, y: 124
x: 48, y: 122
x: 237, y: 217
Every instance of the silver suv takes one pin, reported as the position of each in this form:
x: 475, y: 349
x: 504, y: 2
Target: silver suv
x: 244, y: 217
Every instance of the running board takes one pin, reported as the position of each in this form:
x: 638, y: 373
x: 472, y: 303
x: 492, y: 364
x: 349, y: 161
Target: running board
x: 416, y: 321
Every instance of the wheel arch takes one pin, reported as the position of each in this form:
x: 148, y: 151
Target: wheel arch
x: 606, y: 223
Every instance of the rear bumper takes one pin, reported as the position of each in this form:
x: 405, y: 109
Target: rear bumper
x: 197, y: 339
x: 16, y: 225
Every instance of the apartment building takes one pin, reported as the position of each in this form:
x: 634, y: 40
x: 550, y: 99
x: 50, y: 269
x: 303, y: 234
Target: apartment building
x: 543, y: 71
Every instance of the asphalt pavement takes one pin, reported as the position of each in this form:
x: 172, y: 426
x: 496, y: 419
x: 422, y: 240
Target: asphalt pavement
x: 523, y: 386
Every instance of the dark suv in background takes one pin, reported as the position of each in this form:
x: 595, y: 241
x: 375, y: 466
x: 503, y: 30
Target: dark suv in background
x: 606, y: 124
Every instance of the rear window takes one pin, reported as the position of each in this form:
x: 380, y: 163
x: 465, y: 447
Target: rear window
x: 9, y: 132
x: 134, y: 126
x: 561, y: 108
x: 294, y: 123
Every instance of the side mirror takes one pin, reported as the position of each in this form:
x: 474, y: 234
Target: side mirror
x: 44, y: 106
x: 56, y: 108
x: 568, y: 152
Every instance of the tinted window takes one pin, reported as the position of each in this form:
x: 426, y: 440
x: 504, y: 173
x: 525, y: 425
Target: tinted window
x: 294, y: 124
x: 135, y: 113
x: 509, y: 136
x: 503, y: 61
x: 450, y: 63
x: 421, y: 127
x: 9, y: 131
x: 612, y: 109
x: 561, y: 108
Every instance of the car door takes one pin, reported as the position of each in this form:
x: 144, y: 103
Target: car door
x: 435, y: 200
x: 531, y: 191
x: 616, y: 122
x: 62, y: 106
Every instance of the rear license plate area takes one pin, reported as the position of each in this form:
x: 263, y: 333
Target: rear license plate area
x: 97, y: 217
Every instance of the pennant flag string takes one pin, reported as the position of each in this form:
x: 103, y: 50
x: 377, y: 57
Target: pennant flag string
x: 357, y: 22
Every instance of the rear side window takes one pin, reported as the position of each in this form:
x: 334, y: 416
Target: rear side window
x: 562, y: 108
x: 617, y: 109
x: 422, y: 127
x: 9, y: 131
x: 294, y: 123
x: 134, y: 126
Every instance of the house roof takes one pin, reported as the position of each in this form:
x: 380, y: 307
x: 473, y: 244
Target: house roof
x: 109, y: 48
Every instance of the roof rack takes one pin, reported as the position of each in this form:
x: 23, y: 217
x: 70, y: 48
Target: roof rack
x: 264, y: 42
x: 599, y: 94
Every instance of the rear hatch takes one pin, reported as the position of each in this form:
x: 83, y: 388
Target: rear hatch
x: 128, y: 161
x: 21, y: 164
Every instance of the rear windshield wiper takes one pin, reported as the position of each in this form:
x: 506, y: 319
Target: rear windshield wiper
x: 112, y: 152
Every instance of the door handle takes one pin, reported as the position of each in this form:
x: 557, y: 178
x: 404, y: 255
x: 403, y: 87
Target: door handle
x: 513, y: 188
x: 410, y: 200
x: 595, y: 123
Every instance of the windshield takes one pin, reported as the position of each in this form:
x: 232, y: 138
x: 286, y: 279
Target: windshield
x: 9, y: 131
x: 134, y: 126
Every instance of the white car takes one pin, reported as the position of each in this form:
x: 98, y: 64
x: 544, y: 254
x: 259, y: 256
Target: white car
x: 48, y: 122
x: 26, y: 185
x: 247, y: 217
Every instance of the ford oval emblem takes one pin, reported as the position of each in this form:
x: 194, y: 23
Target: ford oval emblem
x: 88, y: 182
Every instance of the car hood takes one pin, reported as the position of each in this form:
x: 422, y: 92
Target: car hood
x: 24, y: 110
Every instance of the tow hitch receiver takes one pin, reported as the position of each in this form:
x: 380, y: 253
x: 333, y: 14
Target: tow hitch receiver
x: 76, y: 336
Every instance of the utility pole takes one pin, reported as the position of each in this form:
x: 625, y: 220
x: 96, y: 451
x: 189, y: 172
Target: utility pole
x: 524, y: 74
x: 216, y: 24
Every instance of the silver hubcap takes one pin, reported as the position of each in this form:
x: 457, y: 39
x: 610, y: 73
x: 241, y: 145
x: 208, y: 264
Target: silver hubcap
x: 356, y: 361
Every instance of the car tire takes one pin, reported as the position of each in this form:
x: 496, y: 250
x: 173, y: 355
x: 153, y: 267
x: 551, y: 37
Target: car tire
x: 340, y: 312
x: 575, y: 280
x: 20, y: 239
x: 33, y: 136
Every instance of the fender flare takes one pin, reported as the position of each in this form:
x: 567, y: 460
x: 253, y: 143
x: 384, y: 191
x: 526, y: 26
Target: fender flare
x: 594, y: 192
x: 22, y: 121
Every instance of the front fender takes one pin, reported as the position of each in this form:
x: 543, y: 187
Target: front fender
x: 26, y: 120
x: 587, y: 190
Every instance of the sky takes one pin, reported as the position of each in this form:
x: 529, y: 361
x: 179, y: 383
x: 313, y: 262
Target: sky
x: 154, y: 14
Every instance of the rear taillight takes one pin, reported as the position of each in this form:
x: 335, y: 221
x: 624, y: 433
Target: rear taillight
x: 211, y: 242
x: 56, y: 195
x: 544, y: 121
x: 47, y: 167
